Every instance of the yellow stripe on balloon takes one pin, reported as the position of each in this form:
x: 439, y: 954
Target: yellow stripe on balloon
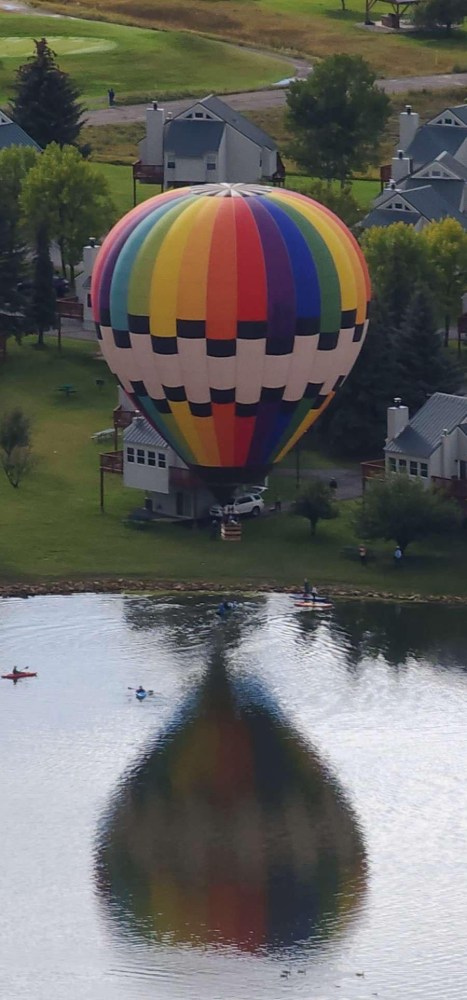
x: 332, y: 236
x: 305, y: 425
x: 186, y: 424
x: 164, y: 284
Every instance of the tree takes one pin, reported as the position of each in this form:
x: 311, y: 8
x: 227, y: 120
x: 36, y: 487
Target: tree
x: 46, y: 101
x: 15, y: 446
x: 337, y: 116
x: 440, y: 14
x: 424, y: 366
x: 339, y: 199
x: 43, y: 305
x: 14, y: 165
x: 316, y: 504
x: 398, y: 260
x: 69, y: 198
x: 400, y: 509
x: 355, y: 424
x: 446, y: 243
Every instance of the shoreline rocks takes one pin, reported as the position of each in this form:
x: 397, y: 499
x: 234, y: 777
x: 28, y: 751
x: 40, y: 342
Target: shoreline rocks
x: 122, y: 586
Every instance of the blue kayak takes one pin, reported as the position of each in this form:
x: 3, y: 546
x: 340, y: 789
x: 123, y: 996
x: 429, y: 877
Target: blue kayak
x: 141, y: 695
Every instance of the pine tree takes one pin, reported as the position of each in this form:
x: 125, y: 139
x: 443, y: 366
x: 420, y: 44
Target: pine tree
x: 43, y: 305
x: 355, y: 424
x: 424, y: 364
x: 13, y: 295
x: 46, y: 101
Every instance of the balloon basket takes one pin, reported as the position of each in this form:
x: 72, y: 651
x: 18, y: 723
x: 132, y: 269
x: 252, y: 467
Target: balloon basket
x: 231, y: 532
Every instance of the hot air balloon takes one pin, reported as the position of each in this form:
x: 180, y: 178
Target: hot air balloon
x: 231, y: 315
x: 230, y: 830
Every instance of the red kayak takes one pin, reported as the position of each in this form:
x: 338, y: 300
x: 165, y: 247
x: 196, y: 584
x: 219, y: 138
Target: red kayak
x: 18, y: 675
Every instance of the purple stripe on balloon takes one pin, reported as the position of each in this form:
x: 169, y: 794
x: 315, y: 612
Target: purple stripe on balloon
x: 281, y: 285
x: 265, y: 419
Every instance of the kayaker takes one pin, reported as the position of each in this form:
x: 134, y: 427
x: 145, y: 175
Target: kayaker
x: 140, y: 690
x: 16, y: 671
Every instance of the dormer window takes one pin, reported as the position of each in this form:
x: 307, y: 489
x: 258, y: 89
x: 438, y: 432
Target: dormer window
x: 398, y: 204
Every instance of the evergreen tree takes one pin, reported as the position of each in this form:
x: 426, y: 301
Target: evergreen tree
x: 424, y: 366
x: 43, y: 305
x: 13, y: 294
x: 46, y: 101
x: 356, y: 422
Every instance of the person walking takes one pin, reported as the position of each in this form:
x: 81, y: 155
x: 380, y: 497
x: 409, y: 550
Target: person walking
x: 397, y: 556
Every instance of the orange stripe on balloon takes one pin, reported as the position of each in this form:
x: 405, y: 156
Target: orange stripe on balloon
x: 195, y: 259
x: 251, y: 272
x: 221, y: 304
x: 224, y: 423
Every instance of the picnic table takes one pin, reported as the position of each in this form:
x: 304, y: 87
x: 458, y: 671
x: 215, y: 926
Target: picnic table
x: 68, y: 390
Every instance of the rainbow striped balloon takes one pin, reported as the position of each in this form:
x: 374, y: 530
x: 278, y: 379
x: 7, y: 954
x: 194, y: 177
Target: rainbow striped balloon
x: 231, y: 315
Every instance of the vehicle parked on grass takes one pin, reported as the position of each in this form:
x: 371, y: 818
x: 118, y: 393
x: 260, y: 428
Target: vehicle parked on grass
x: 247, y: 503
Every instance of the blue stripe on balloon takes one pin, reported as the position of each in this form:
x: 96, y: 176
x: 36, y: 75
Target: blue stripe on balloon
x: 307, y: 290
x: 274, y: 434
x: 280, y: 280
x: 120, y: 282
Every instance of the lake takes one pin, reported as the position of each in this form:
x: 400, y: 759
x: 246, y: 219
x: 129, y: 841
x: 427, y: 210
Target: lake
x: 283, y: 817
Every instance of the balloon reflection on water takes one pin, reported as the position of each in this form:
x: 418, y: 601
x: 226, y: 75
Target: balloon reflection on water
x: 230, y: 831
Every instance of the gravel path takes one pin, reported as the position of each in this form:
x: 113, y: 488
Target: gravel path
x: 258, y: 100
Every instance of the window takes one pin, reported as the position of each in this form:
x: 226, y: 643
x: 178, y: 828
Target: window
x: 140, y: 456
x: 447, y: 121
x: 211, y: 166
x: 170, y: 164
x: 436, y: 173
x: 161, y: 460
x: 413, y: 468
x: 392, y: 465
x: 398, y: 204
x: 402, y: 465
x: 151, y: 458
x: 130, y: 454
x: 199, y: 114
x: 424, y: 470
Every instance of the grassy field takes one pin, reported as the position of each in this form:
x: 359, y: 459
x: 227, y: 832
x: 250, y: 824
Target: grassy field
x: 138, y: 63
x: 52, y: 527
x: 312, y: 27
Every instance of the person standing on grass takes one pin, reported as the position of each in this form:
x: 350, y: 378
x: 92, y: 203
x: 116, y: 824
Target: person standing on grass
x: 111, y: 96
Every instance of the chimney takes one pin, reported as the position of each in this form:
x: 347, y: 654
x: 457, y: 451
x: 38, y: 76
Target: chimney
x: 398, y: 418
x: 152, y: 147
x: 408, y: 124
x: 401, y: 165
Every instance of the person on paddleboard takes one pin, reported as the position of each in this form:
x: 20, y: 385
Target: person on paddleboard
x: 314, y: 594
x: 306, y: 590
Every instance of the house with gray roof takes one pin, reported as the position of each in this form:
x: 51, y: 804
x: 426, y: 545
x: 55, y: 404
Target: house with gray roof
x: 428, y: 172
x: 151, y: 465
x: 12, y: 135
x: 206, y: 143
x: 433, y: 444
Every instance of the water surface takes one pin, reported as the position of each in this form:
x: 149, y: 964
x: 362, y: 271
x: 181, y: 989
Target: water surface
x: 286, y: 814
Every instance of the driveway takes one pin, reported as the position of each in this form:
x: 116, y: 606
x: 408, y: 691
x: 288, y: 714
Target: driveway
x: 349, y: 481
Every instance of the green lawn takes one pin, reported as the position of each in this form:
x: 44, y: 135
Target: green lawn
x: 52, y: 527
x: 138, y: 63
x: 316, y: 28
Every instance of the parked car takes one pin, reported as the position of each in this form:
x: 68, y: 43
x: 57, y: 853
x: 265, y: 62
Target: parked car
x: 248, y: 503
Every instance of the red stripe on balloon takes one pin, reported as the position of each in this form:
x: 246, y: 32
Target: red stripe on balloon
x: 244, y: 430
x: 224, y: 424
x: 221, y: 304
x: 251, y: 272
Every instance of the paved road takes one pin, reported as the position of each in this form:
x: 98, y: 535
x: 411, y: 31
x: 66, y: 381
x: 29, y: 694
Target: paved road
x: 258, y: 100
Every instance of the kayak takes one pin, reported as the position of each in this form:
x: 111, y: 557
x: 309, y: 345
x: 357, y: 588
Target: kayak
x: 18, y: 676
x: 141, y: 695
x: 313, y: 605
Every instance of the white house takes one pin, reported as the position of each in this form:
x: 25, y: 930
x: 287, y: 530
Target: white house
x: 428, y: 173
x: 433, y: 444
x: 83, y: 283
x: 150, y: 464
x: 206, y: 143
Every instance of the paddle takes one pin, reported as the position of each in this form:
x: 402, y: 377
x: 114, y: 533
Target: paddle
x: 135, y: 689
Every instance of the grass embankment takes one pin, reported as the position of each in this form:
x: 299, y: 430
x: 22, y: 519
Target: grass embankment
x: 138, y: 63
x: 312, y: 27
x: 52, y: 528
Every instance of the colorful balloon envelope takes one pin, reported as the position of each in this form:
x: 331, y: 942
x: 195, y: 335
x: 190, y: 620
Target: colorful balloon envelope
x: 231, y: 315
